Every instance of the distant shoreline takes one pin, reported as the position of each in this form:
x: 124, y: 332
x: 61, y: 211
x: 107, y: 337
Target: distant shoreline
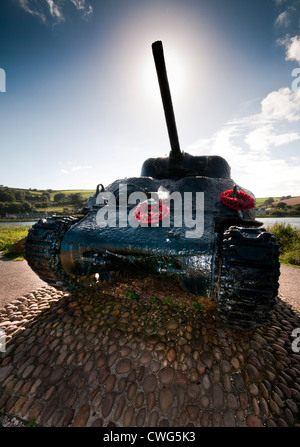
x: 266, y: 216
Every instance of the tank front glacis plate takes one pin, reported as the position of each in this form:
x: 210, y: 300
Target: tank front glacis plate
x: 185, y: 244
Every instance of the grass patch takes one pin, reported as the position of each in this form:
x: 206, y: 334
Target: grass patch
x: 260, y: 201
x: 291, y: 258
x: 9, y: 234
x: 31, y: 423
x: 288, y: 239
x: 197, y: 306
x: 53, y: 209
x: 86, y: 193
x: 132, y: 295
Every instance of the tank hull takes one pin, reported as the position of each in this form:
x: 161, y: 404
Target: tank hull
x: 164, y: 248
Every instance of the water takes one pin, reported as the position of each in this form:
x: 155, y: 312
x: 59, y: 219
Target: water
x: 17, y: 223
x: 269, y: 221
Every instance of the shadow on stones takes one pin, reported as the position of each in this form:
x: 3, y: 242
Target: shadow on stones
x: 143, y: 355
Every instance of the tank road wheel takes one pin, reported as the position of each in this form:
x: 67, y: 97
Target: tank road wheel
x: 248, y: 283
x: 42, y: 251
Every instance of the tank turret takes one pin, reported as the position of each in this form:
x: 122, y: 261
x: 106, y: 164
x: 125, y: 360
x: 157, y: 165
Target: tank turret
x: 178, y: 164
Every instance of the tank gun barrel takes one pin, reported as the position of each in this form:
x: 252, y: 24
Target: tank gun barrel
x: 158, y: 54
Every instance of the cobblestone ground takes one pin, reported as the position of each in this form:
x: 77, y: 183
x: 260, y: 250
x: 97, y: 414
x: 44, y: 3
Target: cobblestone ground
x: 147, y: 359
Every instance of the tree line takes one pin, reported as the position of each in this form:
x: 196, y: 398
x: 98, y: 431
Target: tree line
x: 26, y: 201
x: 280, y: 208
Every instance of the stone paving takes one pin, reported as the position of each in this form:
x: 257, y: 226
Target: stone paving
x: 144, y: 355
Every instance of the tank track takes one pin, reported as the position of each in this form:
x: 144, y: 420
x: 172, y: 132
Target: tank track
x: 248, y: 283
x: 42, y: 250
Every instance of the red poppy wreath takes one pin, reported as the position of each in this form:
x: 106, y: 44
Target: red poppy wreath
x: 237, y: 200
x: 148, y: 212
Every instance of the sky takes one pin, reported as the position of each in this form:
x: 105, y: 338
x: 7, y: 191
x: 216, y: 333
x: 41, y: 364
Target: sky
x: 80, y: 102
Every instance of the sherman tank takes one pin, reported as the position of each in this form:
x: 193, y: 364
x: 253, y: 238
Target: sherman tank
x: 184, y: 218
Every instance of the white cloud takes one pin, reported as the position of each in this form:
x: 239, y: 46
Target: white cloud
x: 259, y: 142
x: 293, y: 48
x: 71, y: 169
x: 54, y: 9
x: 264, y: 137
x: 256, y: 146
x: 267, y: 178
x: 223, y: 143
x: 28, y: 6
x: 283, y: 104
x: 283, y: 20
x: 81, y: 5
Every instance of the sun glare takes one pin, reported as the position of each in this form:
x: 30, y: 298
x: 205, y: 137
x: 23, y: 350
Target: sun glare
x: 176, y: 75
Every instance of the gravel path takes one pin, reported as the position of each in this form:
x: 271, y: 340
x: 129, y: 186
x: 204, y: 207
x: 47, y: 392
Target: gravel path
x: 113, y: 360
x: 16, y: 279
x: 289, y: 285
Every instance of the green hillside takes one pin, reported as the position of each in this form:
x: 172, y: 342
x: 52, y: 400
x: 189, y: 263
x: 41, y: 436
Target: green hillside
x: 86, y: 193
x: 20, y: 201
x: 284, y: 206
x: 260, y: 201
